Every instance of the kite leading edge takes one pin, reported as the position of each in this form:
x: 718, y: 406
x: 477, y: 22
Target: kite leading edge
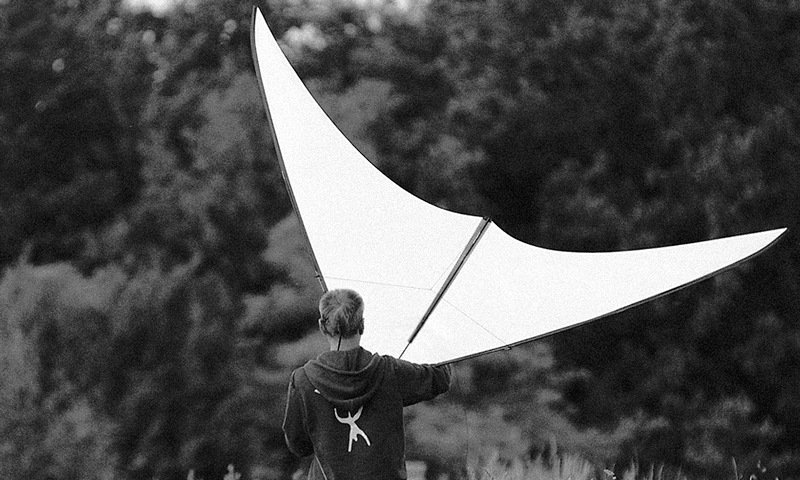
x: 441, y: 286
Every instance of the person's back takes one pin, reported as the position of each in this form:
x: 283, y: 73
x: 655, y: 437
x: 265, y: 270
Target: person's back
x: 346, y: 406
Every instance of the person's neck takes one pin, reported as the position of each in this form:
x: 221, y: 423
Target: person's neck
x: 346, y: 343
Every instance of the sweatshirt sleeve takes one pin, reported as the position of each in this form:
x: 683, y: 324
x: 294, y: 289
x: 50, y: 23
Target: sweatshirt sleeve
x: 420, y: 382
x: 294, y: 427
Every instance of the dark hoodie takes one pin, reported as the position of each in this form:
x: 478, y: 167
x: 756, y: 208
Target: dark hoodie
x: 346, y: 407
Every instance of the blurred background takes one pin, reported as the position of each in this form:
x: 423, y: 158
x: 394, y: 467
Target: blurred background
x: 156, y: 292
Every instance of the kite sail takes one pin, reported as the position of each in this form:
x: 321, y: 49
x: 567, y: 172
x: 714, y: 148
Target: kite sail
x: 441, y: 286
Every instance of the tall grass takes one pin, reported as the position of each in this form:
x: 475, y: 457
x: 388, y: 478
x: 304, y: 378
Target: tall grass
x: 555, y: 465
x: 567, y: 466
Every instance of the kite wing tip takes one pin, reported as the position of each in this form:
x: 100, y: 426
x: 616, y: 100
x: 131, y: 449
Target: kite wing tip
x: 776, y: 234
x: 257, y: 21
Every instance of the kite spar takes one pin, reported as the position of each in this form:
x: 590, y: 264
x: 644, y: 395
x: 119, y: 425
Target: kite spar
x: 441, y: 286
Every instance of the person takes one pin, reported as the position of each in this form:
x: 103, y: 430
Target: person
x: 346, y: 406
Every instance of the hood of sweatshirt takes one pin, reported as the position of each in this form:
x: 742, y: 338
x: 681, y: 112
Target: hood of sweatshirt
x: 348, y: 378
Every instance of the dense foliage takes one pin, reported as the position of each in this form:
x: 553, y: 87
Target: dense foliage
x: 155, y: 291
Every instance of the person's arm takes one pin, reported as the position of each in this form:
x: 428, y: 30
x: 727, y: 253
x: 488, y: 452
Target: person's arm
x: 294, y: 425
x: 420, y: 382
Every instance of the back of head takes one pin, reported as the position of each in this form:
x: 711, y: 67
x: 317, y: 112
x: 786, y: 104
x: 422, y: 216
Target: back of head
x: 341, y: 313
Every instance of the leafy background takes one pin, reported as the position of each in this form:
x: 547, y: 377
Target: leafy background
x: 155, y: 291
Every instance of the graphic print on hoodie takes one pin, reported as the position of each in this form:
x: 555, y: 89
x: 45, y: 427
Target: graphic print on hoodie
x: 346, y: 407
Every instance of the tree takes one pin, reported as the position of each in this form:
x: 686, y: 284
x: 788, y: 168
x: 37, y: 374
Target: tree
x: 68, y: 126
x: 52, y: 338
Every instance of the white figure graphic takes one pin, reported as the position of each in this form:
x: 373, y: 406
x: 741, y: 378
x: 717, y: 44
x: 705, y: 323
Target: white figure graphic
x: 355, y: 431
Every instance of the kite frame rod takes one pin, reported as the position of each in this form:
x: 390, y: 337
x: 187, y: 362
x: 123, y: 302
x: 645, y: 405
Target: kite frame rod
x: 473, y: 241
x: 284, y: 174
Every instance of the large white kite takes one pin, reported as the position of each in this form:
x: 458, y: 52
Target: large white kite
x: 441, y: 286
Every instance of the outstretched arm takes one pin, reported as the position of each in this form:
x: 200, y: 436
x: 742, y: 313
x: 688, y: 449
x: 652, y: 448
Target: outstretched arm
x: 420, y: 382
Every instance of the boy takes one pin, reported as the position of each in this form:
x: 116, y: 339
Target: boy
x: 346, y: 406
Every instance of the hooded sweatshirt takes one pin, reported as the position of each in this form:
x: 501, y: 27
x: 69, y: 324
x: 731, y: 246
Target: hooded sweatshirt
x: 346, y: 407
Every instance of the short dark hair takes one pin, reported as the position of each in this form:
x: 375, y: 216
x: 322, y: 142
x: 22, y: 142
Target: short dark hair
x: 341, y: 313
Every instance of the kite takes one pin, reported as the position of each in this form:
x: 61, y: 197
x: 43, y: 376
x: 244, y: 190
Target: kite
x: 441, y: 286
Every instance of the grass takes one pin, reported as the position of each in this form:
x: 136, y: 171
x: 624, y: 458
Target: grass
x: 555, y: 466
x: 559, y: 466
x: 562, y: 467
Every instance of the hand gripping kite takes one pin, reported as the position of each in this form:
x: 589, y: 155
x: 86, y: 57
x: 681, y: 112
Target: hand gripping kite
x: 442, y: 286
